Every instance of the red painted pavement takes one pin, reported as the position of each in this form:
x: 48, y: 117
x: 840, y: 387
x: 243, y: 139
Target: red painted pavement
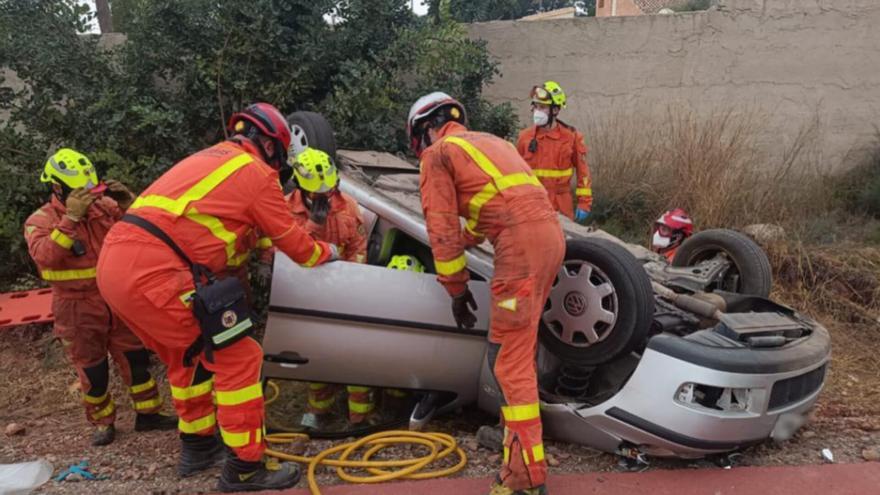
x: 841, y: 479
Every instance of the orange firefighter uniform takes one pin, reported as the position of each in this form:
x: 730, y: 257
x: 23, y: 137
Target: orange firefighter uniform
x: 481, y: 178
x: 555, y: 156
x: 209, y: 204
x: 344, y: 228
x: 83, y: 321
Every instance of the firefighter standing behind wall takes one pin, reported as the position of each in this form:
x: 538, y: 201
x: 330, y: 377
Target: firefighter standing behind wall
x: 64, y: 238
x: 330, y: 215
x: 556, y: 151
x: 481, y: 178
x: 210, y: 204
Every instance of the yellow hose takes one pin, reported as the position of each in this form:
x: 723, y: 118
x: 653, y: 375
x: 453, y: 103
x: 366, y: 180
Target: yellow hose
x: 441, y: 446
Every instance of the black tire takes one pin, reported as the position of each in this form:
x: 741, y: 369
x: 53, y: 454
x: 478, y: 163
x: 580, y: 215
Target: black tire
x: 751, y: 265
x: 634, y: 304
x: 316, y: 131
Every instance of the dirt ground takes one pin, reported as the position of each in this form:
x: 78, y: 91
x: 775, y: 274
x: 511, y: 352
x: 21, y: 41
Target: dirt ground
x: 37, y: 390
x: 840, y: 287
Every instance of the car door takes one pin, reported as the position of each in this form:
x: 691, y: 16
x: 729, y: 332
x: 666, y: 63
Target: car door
x: 369, y: 325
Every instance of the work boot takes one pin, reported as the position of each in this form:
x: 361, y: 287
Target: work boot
x: 321, y: 422
x: 491, y: 437
x: 198, y: 453
x: 103, y: 435
x: 498, y: 488
x: 155, y: 422
x: 244, y: 476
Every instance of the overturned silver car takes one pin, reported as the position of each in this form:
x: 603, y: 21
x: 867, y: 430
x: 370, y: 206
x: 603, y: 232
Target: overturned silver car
x: 683, y: 359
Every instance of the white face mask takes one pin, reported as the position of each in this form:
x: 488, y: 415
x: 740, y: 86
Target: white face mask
x: 540, y: 118
x: 660, y: 242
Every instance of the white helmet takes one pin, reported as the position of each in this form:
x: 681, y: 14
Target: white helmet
x: 423, y: 108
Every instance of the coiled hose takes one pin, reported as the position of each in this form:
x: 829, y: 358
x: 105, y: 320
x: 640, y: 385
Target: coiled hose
x: 440, y: 445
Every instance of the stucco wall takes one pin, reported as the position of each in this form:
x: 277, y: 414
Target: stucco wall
x: 800, y: 63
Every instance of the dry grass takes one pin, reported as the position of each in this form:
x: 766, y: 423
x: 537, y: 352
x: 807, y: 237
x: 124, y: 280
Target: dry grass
x: 705, y: 163
x: 840, y: 287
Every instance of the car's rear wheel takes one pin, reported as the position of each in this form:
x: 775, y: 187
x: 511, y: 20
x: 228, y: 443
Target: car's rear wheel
x: 310, y: 129
x: 601, y: 304
x: 750, y: 268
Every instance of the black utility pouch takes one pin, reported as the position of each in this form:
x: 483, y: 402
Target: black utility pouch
x: 223, y: 313
x: 220, y: 306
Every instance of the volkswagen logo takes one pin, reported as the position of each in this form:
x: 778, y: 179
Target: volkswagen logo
x: 575, y: 303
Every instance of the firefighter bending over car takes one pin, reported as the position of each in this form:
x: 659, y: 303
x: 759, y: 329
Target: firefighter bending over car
x: 670, y: 230
x: 556, y: 152
x: 64, y: 238
x: 481, y: 177
x: 332, y: 216
x: 157, y: 272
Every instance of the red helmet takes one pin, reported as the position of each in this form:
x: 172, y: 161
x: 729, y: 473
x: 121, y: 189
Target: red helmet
x: 264, y: 119
x: 677, y: 219
x: 425, y: 107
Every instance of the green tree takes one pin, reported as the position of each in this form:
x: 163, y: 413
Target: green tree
x: 138, y: 107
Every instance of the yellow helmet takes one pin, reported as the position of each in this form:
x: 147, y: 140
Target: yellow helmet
x: 407, y: 263
x: 70, y: 168
x: 549, y: 94
x: 315, y: 171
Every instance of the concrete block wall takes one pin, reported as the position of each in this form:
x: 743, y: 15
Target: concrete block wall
x: 800, y: 63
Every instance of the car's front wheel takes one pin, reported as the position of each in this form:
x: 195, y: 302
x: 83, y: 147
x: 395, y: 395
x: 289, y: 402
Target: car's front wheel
x: 601, y: 304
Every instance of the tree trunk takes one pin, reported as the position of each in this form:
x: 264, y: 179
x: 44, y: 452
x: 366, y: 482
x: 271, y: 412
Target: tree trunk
x: 105, y: 19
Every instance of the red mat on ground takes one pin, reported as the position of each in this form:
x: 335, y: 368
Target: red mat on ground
x: 842, y: 479
x: 22, y: 308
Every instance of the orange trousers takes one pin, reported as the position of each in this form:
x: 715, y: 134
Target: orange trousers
x: 153, y: 302
x: 527, y: 259
x: 89, y: 332
x: 562, y: 201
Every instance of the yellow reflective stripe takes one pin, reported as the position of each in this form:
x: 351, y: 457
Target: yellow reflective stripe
x: 197, y: 425
x: 584, y: 191
x: 517, y: 179
x: 94, y: 400
x: 357, y: 388
x: 450, y: 267
x: 477, y: 156
x: 191, y: 392
x: 316, y: 255
x: 186, y: 299
x: 235, y: 440
x: 473, y: 232
x: 107, y: 411
x: 264, y: 243
x: 360, y: 407
x: 219, y: 231
x: 240, y: 396
x: 147, y: 404
x: 506, y: 455
x: 521, y: 413
x: 553, y: 173
x: 66, y: 275
x: 321, y: 404
x: 318, y: 386
x: 196, y: 192
x: 61, y: 239
x: 499, y: 182
x: 538, y: 452
x: 143, y: 387
x: 476, y: 204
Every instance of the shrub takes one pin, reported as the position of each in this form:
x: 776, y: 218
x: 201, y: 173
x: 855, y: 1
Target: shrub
x: 138, y: 106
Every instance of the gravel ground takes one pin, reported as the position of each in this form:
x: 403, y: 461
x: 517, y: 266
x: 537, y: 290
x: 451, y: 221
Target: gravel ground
x: 38, y: 392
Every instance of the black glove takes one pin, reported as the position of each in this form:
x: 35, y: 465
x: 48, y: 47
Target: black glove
x: 320, y: 209
x: 463, y: 306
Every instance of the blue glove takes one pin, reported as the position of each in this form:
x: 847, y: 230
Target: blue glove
x: 581, y: 216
